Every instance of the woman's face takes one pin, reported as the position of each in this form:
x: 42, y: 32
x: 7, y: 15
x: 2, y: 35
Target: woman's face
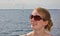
x: 37, y: 24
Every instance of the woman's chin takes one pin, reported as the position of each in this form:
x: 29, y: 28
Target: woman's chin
x: 33, y: 26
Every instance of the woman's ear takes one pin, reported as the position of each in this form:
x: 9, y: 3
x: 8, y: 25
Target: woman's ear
x: 46, y: 22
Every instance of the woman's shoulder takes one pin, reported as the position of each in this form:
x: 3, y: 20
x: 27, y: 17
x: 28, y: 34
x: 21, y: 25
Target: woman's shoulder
x: 50, y: 35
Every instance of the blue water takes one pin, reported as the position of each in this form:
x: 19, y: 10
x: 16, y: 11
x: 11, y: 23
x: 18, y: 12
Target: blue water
x: 14, y: 22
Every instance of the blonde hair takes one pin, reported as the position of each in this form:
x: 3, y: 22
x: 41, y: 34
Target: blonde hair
x: 46, y: 16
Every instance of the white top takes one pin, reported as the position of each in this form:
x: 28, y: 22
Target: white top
x: 26, y: 35
x: 23, y: 35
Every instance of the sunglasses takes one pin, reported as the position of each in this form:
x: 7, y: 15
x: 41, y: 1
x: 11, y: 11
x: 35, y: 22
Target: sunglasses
x: 36, y: 17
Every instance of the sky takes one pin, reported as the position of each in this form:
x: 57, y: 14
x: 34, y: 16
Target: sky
x: 29, y: 4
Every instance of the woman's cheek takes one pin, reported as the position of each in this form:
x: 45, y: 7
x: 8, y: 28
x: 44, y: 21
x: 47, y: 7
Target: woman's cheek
x: 40, y: 24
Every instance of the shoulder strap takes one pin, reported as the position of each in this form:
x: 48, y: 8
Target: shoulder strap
x: 23, y: 35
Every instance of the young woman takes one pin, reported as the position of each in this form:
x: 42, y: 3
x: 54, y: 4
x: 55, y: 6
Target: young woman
x: 40, y: 22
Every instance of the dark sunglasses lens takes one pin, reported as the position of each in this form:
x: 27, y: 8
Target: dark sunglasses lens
x: 31, y: 16
x: 37, y: 18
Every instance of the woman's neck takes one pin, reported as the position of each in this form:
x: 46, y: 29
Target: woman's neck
x: 40, y: 32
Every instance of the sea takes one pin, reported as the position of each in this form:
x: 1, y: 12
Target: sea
x: 14, y: 22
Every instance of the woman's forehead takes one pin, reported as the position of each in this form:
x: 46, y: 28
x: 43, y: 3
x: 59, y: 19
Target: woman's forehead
x: 34, y: 12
